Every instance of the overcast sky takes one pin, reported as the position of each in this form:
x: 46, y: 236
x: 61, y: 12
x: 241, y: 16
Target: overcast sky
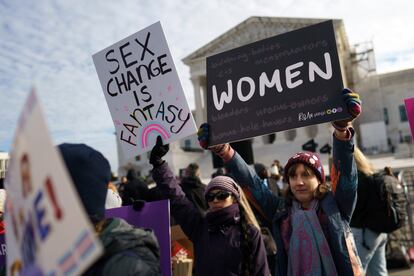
x: 49, y: 44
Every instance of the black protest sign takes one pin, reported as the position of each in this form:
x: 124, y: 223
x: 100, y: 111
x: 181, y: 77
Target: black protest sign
x: 283, y: 82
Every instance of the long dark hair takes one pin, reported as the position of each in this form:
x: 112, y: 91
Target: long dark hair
x: 319, y: 193
x: 246, y: 245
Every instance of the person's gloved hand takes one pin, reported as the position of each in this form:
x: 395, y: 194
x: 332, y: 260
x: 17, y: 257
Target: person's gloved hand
x: 138, y: 204
x: 157, y: 152
x: 353, y: 104
x: 222, y: 150
x: 203, y: 135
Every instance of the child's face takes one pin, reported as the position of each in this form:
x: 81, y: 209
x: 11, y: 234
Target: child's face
x: 303, y: 183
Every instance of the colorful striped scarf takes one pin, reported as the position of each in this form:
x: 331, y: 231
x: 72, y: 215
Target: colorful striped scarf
x: 309, y: 252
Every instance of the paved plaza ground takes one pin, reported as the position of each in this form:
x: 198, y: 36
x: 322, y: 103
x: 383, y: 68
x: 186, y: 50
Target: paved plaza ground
x: 402, y: 272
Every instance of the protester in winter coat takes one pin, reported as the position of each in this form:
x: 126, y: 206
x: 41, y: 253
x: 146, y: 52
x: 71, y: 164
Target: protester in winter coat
x: 269, y: 182
x: 226, y: 240
x: 370, y: 245
x: 311, y: 223
x: 121, y: 185
x: 193, y: 187
x: 135, y: 189
x: 113, y: 199
x: 128, y: 250
x: 276, y: 173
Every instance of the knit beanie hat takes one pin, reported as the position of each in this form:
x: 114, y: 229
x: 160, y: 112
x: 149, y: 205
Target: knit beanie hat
x: 310, y: 159
x: 223, y: 183
x: 91, y: 173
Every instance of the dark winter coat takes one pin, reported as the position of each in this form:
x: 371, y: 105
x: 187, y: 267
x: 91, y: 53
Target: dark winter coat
x: 216, y: 237
x: 135, y: 189
x: 335, y: 207
x: 194, y: 191
x: 127, y: 251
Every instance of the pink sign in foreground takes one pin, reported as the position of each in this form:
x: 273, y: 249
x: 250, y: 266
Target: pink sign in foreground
x: 409, y: 107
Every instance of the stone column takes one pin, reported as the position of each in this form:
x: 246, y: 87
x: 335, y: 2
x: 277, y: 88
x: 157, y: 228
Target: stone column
x: 311, y: 131
x: 197, y: 96
x: 301, y: 134
x: 203, y: 84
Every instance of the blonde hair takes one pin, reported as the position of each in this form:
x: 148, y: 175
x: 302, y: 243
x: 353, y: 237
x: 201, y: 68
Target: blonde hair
x: 99, y: 226
x: 247, y: 218
x: 112, y: 187
x: 362, y: 162
x: 244, y: 203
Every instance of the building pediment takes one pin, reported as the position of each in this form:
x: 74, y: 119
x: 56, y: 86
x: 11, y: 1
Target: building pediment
x: 253, y: 29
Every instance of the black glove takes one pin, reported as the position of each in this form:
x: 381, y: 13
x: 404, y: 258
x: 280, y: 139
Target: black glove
x: 138, y: 204
x: 157, y: 152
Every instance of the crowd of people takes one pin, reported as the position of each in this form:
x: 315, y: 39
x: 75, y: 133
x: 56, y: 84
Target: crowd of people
x: 252, y: 220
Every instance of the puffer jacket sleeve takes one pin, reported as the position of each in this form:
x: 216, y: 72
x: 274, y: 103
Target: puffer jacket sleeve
x: 344, y: 176
x: 182, y: 209
x: 128, y: 263
x: 245, y: 176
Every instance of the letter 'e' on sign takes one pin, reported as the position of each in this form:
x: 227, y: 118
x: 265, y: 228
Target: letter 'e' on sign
x: 287, y: 81
x: 143, y: 91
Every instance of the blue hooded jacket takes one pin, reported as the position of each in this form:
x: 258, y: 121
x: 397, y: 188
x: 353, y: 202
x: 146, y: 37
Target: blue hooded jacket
x: 338, y: 207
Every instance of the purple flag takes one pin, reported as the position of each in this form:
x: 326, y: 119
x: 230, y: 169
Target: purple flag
x: 409, y: 107
x: 156, y: 216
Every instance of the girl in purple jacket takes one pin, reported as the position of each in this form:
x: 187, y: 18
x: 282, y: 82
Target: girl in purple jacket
x: 226, y: 240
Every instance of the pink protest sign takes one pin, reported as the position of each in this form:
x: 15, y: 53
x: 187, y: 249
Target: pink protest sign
x: 409, y: 107
x: 156, y: 216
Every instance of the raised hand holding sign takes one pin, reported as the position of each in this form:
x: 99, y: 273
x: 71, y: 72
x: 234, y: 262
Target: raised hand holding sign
x: 158, y: 151
x: 353, y: 105
x: 143, y: 91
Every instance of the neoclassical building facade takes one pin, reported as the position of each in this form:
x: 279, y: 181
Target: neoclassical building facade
x: 378, y: 92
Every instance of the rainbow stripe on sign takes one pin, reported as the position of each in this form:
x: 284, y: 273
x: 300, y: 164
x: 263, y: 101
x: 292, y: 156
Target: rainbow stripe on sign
x: 68, y: 263
x: 84, y: 246
x: 153, y: 128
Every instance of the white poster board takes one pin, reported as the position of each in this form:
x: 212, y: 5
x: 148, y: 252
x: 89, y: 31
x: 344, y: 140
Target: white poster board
x: 143, y: 91
x: 46, y: 226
